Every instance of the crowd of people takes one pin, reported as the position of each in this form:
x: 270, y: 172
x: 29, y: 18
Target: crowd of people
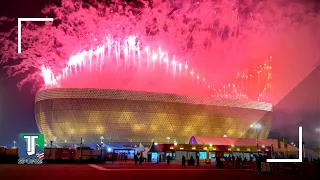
x: 260, y: 160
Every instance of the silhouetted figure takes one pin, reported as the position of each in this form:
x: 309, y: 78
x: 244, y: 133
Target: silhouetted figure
x: 112, y: 157
x: 168, y: 159
x: 218, y: 162
x: 294, y: 168
x: 183, y: 161
x: 191, y: 161
x: 238, y: 158
x: 197, y: 157
x: 258, y: 161
x: 136, y: 159
x: 125, y: 157
x: 141, y: 159
x: 160, y: 159
x: 245, y: 159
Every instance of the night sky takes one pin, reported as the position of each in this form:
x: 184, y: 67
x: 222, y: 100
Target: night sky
x: 298, y: 105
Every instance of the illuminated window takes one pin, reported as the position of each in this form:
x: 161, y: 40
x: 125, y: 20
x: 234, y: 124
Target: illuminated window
x: 202, y: 155
x: 170, y: 154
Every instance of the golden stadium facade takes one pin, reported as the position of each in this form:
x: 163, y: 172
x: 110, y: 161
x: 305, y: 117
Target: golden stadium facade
x: 122, y: 116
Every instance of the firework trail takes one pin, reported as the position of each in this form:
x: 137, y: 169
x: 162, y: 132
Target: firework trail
x: 146, y: 42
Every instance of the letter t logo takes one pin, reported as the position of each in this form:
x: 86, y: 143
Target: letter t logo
x: 31, y: 144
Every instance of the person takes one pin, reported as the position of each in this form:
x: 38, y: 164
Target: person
x: 141, y: 159
x: 197, y: 157
x: 191, y: 161
x: 125, y: 158
x: 159, y: 158
x: 135, y: 158
x: 112, y: 158
x: 183, y: 161
x: 218, y: 161
x: 168, y: 159
x: 258, y: 161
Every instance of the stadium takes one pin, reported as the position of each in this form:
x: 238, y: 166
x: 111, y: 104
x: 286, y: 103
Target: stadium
x: 131, y: 117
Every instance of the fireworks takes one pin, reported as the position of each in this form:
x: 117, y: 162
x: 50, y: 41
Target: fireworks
x: 170, y: 40
x: 135, y: 57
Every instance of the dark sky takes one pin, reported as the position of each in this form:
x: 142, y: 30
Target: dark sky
x: 299, y: 107
x: 17, y: 107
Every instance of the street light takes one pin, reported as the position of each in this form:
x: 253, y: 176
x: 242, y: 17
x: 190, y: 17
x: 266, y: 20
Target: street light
x: 256, y: 126
x: 101, y: 138
x: 168, y: 138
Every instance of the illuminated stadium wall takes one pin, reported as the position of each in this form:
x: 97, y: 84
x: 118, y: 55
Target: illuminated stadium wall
x: 129, y: 116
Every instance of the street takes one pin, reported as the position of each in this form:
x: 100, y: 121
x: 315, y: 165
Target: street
x: 125, y: 171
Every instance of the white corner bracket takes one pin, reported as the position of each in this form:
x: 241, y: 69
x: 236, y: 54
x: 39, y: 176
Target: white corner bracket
x: 291, y: 160
x: 19, y: 28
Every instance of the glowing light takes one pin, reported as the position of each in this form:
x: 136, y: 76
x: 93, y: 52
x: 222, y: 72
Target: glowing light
x: 129, y: 49
x: 256, y: 126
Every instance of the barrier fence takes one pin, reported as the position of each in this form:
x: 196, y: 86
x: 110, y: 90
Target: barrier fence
x: 306, y: 169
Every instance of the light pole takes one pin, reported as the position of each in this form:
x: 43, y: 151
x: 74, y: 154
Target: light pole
x: 81, y: 141
x: 256, y: 126
x: 50, y: 149
x: 101, y: 144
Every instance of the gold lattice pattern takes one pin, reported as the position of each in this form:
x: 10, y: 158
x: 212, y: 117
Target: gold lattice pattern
x: 129, y: 116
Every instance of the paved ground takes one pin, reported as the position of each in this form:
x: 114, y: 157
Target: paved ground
x: 124, y: 171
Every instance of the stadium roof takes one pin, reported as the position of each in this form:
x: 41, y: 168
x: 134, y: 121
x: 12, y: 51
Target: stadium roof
x: 225, y: 141
x: 60, y: 93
